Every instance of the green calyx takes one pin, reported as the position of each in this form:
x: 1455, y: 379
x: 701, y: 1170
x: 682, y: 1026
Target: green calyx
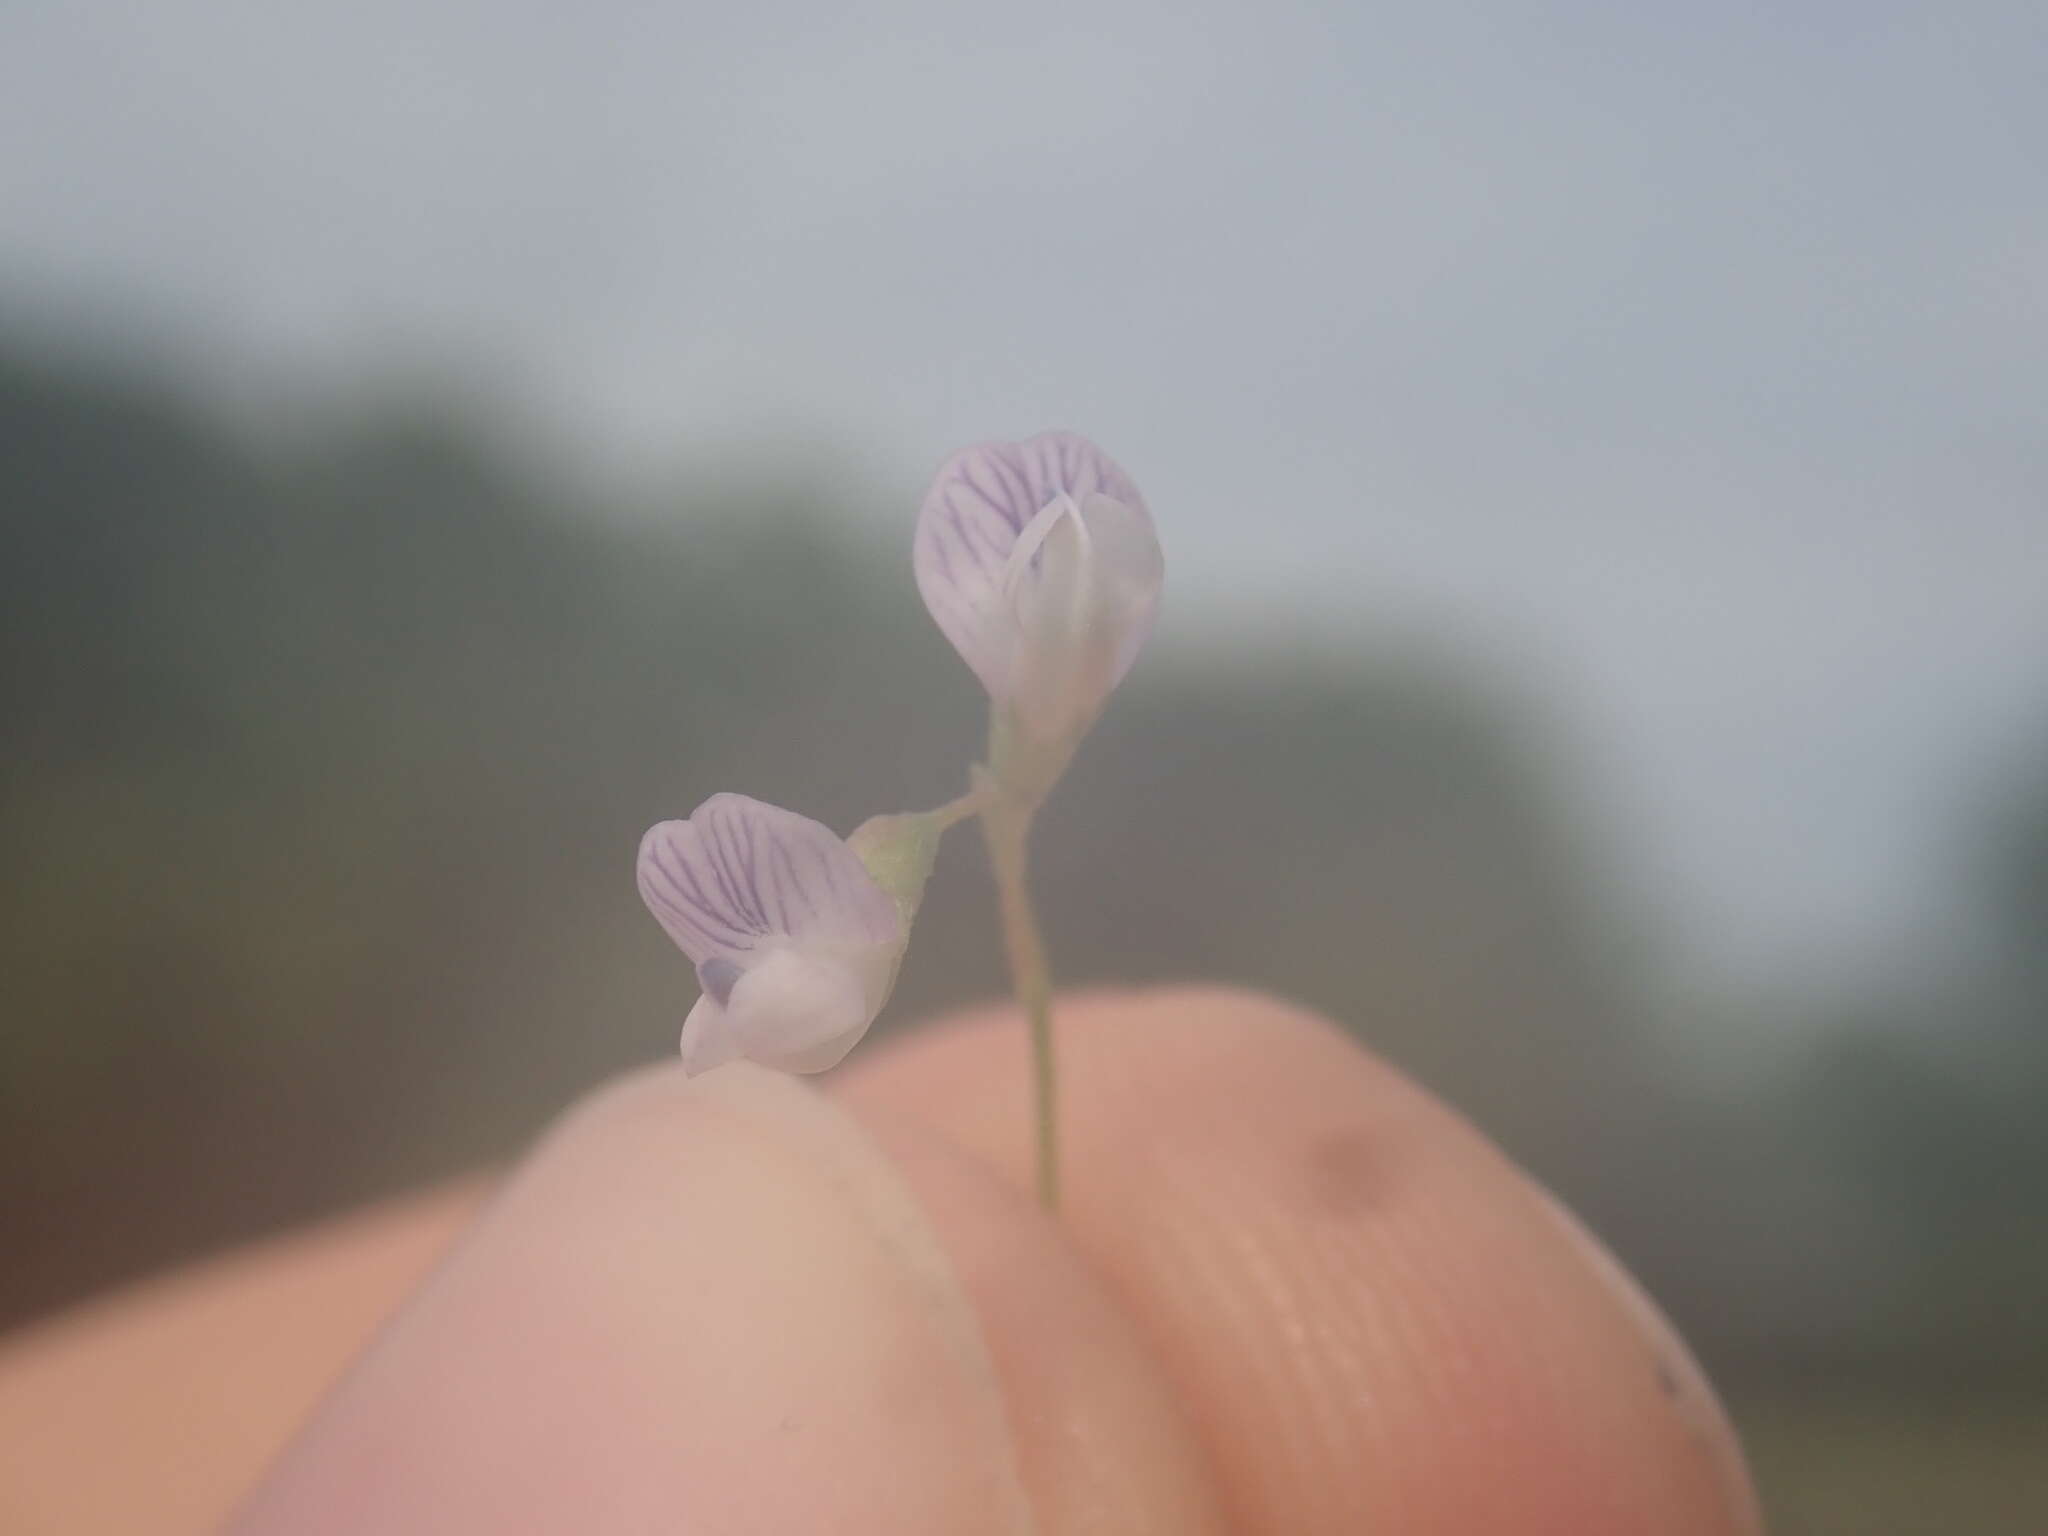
x: 898, y: 852
x: 1022, y: 767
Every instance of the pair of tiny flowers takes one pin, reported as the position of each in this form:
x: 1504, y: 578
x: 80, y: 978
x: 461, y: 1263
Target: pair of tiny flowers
x: 1039, y: 562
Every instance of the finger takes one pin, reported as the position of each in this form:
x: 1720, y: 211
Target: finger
x: 1374, y: 1320
x: 154, y: 1408
x: 714, y: 1306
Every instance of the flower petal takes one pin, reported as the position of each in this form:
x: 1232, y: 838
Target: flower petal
x: 708, y: 1039
x: 1084, y: 587
x: 792, y: 1010
x: 740, y: 872
x: 1130, y: 572
x: 979, y: 503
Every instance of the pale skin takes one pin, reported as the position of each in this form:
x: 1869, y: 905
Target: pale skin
x: 1287, y: 1292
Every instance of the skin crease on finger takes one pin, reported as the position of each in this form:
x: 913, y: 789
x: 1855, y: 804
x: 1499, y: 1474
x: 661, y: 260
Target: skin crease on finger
x: 1374, y: 1320
x: 1102, y: 1446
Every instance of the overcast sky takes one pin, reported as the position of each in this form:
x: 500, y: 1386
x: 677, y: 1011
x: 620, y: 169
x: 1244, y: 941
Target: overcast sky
x: 1692, y: 358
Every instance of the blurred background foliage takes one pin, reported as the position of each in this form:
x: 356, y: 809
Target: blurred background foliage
x: 326, y: 758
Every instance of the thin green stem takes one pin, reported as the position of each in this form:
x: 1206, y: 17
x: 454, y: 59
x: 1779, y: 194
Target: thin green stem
x: 1007, y: 824
x: 953, y: 812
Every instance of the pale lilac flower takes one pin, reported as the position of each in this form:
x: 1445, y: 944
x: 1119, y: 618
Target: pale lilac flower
x: 796, y: 946
x: 1039, y: 561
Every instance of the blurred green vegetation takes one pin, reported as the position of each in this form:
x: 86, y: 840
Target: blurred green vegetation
x: 325, y: 764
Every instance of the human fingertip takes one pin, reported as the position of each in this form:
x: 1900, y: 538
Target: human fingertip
x: 707, y: 1303
x: 1370, y: 1313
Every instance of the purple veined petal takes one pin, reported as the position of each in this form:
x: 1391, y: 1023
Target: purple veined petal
x: 979, y: 503
x: 740, y: 874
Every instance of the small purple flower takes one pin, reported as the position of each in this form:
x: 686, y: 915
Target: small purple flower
x: 1039, y: 561
x: 795, y: 944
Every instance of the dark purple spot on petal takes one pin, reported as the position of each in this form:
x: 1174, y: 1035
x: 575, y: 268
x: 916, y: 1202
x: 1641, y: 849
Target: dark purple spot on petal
x: 716, y: 976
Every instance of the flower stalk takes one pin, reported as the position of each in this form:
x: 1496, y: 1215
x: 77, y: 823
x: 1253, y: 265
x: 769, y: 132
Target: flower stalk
x: 1006, y: 822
